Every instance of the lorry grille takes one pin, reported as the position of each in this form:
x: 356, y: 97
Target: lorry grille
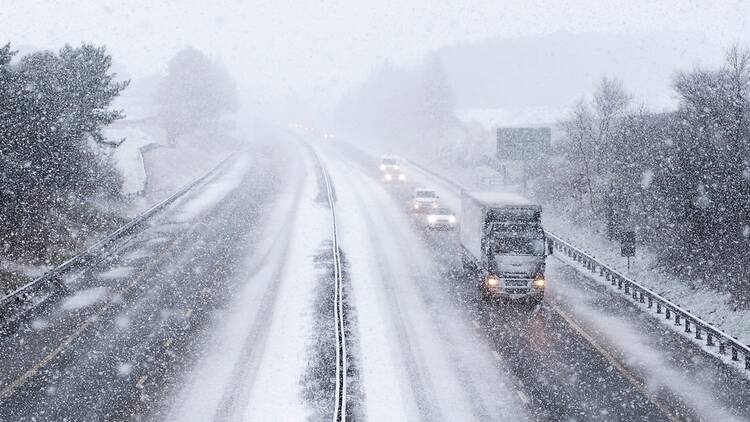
x: 516, y: 283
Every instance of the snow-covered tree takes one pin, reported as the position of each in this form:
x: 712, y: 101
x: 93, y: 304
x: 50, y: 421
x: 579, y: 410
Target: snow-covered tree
x: 194, y: 94
x: 52, y: 109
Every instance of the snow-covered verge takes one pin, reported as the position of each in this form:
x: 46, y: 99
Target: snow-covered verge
x: 128, y: 156
x: 713, y: 306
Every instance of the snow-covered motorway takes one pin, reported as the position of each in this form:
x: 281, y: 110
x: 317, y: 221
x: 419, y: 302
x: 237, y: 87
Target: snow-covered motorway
x: 222, y: 310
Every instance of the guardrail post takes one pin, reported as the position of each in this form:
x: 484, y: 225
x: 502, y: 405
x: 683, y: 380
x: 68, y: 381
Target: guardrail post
x: 722, y: 348
x: 640, y: 299
x: 687, y: 326
x: 627, y: 287
x: 658, y: 307
x: 698, y: 335
x: 709, y: 338
x: 601, y: 271
x: 676, y: 318
x: 747, y: 361
x: 667, y: 312
x: 619, y: 283
x: 593, y: 267
x: 613, y: 279
x: 650, y: 301
x: 635, y: 293
x: 734, y: 354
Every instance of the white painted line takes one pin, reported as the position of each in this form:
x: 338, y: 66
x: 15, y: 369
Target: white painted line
x: 523, y: 396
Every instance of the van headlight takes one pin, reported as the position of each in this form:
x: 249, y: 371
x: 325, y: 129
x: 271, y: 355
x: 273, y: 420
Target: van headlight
x: 431, y: 219
x: 452, y: 219
x: 402, y: 176
x: 388, y: 177
x: 416, y: 205
x: 382, y: 167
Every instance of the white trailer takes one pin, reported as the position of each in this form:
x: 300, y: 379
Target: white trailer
x: 503, y: 238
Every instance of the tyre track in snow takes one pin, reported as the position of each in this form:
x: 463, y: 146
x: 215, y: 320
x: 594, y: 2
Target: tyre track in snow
x: 483, y: 403
x: 448, y: 366
x: 134, y: 329
x: 234, y: 400
x: 419, y: 384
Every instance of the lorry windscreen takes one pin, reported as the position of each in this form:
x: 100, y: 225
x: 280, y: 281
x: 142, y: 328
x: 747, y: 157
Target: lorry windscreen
x: 507, y: 215
x: 518, y: 246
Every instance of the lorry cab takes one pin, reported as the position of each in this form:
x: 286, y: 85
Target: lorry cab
x: 503, y: 233
x: 424, y: 200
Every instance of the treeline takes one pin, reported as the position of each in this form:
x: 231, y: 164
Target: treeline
x: 403, y: 106
x: 680, y: 179
x: 194, y: 95
x: 53, y: 106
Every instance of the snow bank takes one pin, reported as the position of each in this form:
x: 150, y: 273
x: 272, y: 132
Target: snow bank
x: 128, y: 156
x: 85, y: 298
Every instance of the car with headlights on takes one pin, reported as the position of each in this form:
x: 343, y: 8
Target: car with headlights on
x: 389, y: 164
x: 424, y: 200
x: 440, y: 218
x: 394, y: 177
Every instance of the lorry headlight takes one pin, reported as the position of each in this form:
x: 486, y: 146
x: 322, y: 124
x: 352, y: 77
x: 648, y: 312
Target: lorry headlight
x: 539, y: 282
x: 388, y: 177
x: 431, y: 219
x: 452, y: 219
x: 396, y: 167
x: 416, y: 205
x: 382, y: 167
x: 434, y: 205
x: 402, y: 176
x: 492, y: 281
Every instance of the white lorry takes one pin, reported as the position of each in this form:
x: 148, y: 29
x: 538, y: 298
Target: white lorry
x: 503, y: 238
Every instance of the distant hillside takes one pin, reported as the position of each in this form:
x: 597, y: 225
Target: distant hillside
x: 528, y: 77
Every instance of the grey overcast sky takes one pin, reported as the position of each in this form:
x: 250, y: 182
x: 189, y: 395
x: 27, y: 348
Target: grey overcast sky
x: 310, y: 52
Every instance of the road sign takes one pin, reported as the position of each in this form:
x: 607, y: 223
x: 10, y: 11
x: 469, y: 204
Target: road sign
x: 627, y: 244
x: 522, y: 143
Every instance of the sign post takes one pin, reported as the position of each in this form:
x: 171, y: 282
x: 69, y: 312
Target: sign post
x: 627, y: 245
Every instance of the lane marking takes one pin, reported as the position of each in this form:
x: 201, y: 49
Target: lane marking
x: 497, y: 355
x: 10, y: 388
x: 168, y: 342
x: 523, y: 396
x: 615, y: 363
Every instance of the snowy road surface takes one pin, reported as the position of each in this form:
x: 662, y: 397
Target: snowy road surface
x: 222, y: 310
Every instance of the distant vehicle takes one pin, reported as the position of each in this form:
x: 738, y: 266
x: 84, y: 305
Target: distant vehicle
x: 392, y: 176
x: 424, y: 200
x: 389, y: 164
x: 440, y: 219
x: 503, y: 235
